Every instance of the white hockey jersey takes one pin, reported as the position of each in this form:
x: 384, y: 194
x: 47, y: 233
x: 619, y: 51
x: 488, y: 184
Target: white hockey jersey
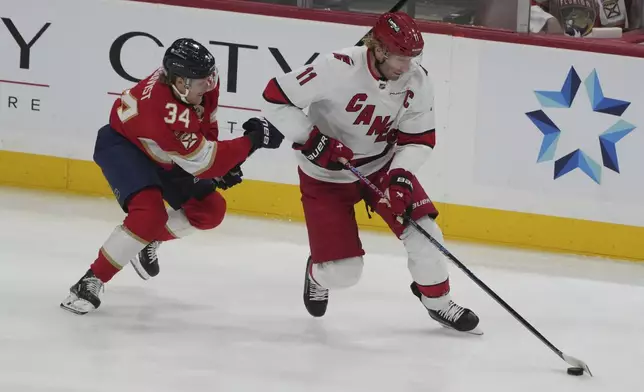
x: 378, y: 120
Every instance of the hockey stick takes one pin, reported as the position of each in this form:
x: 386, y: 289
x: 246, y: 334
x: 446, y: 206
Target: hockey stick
x: 395, y: 8
x: 570, y: 360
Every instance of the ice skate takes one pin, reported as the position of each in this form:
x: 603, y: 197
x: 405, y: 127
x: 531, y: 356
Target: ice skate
x: 146, y: 263
x: 316, y: 297
x: 84, y: 296
x: 452, y: 315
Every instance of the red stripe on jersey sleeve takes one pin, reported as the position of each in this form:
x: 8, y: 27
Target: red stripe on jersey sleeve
x: 427, y: 138
x: 273, y: 93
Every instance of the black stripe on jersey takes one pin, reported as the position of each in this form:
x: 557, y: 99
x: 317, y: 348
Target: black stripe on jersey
x: 363, y: 161
x: 427, y: 138
x: 426, y: 73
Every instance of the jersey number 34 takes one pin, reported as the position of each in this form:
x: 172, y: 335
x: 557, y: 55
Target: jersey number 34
x: 129, y: 109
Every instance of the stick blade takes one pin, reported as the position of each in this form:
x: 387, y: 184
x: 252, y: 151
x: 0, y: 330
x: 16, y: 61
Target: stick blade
x: 576, y: 363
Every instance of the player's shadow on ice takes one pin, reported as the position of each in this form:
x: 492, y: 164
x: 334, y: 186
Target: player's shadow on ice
x: 437, y: 330
x: 140, y: 312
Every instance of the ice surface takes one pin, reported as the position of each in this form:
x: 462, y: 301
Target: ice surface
x: 226, y: 314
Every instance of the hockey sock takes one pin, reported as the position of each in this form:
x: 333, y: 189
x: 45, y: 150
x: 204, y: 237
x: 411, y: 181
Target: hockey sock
x: 435, y: 296
x: 117, y: 251
x: 143, y: 224
x: 178, y: 226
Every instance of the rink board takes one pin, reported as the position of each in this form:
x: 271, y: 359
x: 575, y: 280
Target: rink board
x: 274, y: 200
x: 529, y: 152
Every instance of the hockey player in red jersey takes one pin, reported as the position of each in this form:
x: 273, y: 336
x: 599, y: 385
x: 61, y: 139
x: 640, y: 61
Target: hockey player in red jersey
x: 161, y: 143
x: 374, y: 107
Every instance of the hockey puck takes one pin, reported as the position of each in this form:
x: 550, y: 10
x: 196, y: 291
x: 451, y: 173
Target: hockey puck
x: 575, y: 371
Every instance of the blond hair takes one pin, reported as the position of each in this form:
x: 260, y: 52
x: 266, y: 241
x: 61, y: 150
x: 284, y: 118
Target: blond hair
x: 372, y: 43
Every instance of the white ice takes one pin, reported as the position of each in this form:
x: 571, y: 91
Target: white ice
x: 226, y: 314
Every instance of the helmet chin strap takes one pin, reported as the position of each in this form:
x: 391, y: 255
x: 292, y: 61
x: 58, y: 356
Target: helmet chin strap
x: 183, y: 96
x: 379, y: 64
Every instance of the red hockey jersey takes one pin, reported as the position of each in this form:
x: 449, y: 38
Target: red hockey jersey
x: 172, y: 132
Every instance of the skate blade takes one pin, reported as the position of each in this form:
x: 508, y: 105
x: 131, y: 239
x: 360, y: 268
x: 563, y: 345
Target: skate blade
x: 476, y: 331
x: 76, y: 305
x: 136, y: 264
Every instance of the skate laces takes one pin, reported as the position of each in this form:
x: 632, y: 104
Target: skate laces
x: 317, y: 292
x: 151, y: 251
x: 452, y: 312
x: 93, y: 285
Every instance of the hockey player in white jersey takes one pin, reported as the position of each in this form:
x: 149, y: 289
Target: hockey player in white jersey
x: 374, y: 107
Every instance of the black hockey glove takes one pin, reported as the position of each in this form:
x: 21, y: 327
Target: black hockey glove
x: 232, y: 178
x: 262, y: 134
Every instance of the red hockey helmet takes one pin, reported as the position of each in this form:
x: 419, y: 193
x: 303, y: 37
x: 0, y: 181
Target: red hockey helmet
x: 399, y: 34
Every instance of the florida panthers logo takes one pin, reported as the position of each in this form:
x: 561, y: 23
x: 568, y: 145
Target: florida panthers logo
x: 187, y: 139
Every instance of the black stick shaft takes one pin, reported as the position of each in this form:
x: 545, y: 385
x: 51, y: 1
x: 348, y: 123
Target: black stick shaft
x: 460, y: 265
x: 395, y: 8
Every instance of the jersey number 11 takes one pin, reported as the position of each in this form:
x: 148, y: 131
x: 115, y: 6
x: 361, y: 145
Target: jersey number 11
x: 306, y: 76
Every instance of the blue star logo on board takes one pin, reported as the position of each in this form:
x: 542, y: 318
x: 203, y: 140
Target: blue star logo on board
x: 578, y: 159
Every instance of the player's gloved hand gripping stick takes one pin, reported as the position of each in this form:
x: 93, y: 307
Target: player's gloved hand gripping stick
x: 577, y: 364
